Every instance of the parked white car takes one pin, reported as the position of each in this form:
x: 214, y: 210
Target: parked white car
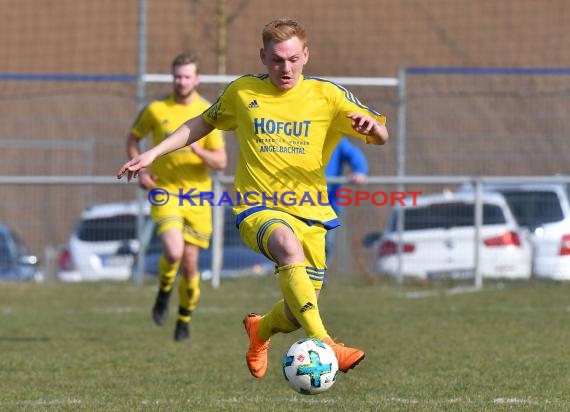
x: 544, y: 209
x: 438, y: 240
x: 103, y: 245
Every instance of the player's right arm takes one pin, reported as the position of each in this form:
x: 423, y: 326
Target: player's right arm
x: 147, y: 180
x: 188, y: 133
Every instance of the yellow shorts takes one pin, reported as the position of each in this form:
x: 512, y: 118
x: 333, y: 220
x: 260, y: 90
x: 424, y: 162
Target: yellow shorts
x: 256, y: 228
x: 194, y: 220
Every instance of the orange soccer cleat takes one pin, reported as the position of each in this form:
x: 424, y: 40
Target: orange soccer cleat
x: 348, y: 358
x: 256, y: 356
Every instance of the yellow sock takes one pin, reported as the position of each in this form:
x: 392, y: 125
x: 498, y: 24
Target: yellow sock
x: 167, y: 275
x: 189, y: 294
x: 302, y: 299
x: 275, y: 321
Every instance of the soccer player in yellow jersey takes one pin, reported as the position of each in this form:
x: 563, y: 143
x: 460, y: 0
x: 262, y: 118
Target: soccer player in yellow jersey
x: 183, y: 230
x: 286, y: 124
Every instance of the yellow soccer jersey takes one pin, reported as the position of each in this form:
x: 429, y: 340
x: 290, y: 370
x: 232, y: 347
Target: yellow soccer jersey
x: 181, y: 169
x: 282, y: 136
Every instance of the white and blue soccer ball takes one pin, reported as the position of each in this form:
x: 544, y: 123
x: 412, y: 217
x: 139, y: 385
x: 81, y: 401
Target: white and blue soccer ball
x: 310, y: 366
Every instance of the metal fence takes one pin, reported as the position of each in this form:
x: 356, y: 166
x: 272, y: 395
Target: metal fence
x: 65, y: 111
x: 352, y: 255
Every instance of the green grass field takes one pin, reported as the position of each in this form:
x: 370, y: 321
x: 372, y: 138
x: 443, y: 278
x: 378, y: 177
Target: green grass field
x: 69, y: 347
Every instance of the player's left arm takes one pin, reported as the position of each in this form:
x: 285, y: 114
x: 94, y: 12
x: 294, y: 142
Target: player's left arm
x: 375, y: 131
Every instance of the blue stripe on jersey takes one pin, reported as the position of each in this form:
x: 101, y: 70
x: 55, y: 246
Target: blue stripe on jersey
x: 260, y: 234
x: 329, y: 224
x: 316, y: 270
x: 315, y: 276
x: 240, y: 217
x: 349, y: 96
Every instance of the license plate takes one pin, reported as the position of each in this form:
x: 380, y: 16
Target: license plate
x: 117, y: 260
x: 452, y: 274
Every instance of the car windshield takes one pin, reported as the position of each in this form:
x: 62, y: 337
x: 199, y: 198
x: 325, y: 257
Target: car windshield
x: 5, y: 253
x: 447, y: 215
x: 534, y: 208
x: 20, y: 245
x: 121, y: 227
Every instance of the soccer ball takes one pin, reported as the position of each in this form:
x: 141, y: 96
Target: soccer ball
x: 310, y: 366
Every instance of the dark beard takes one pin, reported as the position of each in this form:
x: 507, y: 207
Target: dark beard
x: 183, y: 96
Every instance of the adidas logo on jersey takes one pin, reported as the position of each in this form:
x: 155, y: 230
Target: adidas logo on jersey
x: 253, y: 104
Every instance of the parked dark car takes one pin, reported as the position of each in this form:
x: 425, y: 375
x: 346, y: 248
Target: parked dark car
x: 17, y: 262
x: 238, y: 258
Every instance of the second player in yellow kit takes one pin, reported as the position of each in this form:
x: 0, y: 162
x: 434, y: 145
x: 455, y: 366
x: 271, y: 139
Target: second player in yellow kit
x: 183, y: 228
x: 182, y: 168
x: 286, y: 124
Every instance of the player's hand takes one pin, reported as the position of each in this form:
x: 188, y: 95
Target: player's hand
x: 196, y: 148
x: 358, y: 178
x: 147, y: 180
x: 368, y: 126
x: 362, y: 124
x: 133, y: 167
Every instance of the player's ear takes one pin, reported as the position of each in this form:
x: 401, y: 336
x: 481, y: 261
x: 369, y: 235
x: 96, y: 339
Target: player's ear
x: 262, y: 55
x: 306, y: 54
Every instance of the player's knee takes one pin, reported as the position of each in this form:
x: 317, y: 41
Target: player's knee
x: 173, y: 255
x: 285, y: 247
